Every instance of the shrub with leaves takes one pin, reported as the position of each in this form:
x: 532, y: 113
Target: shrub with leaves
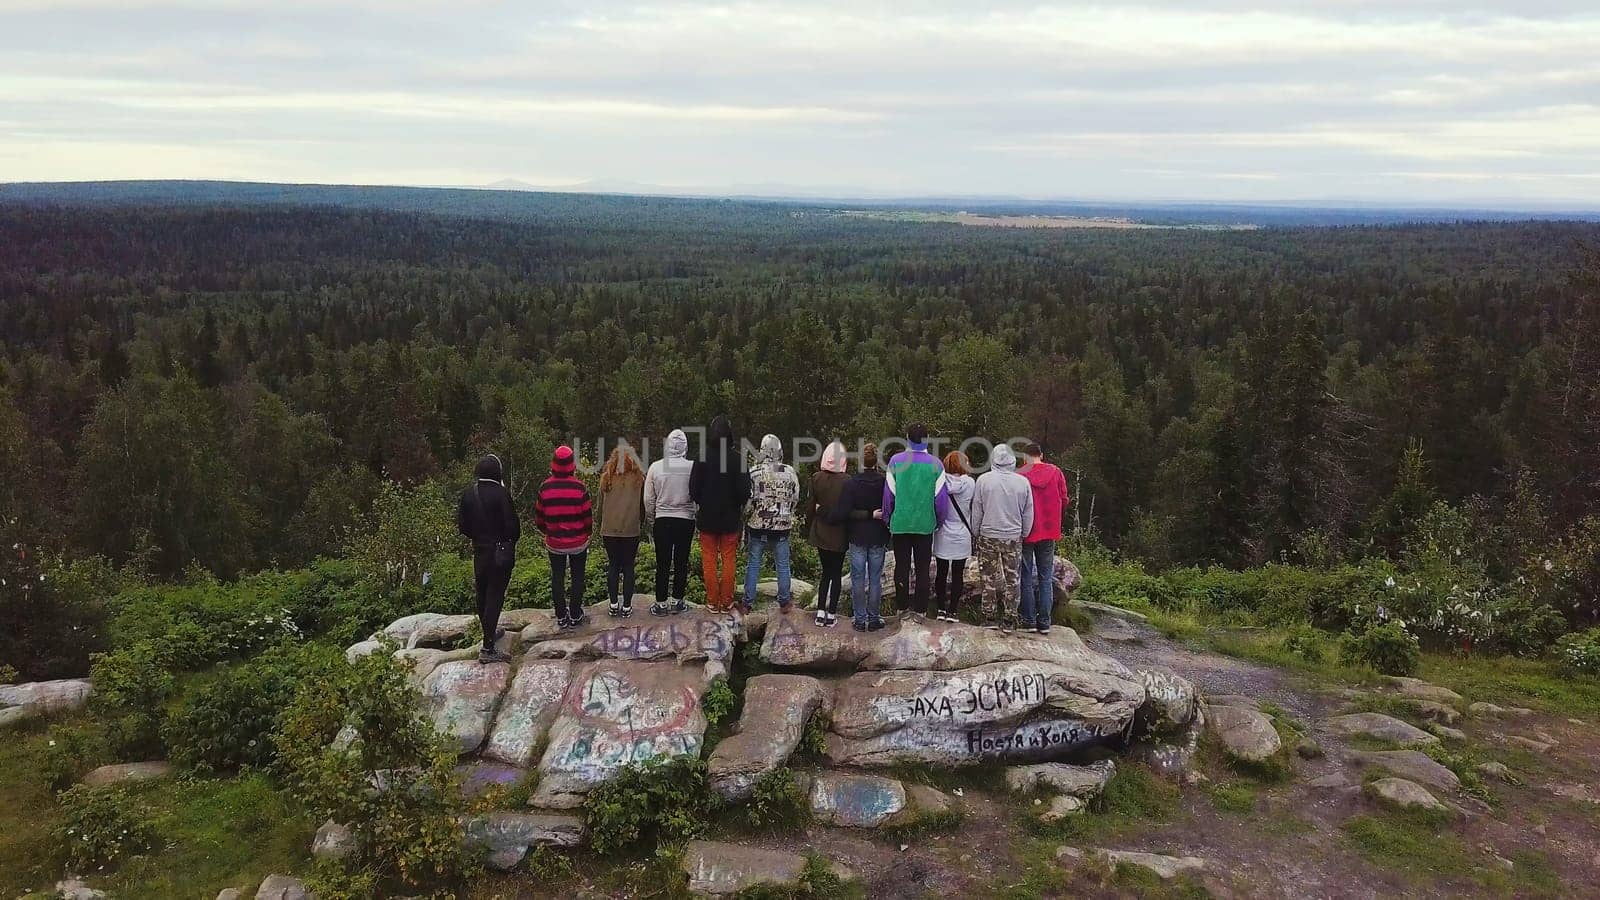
x: 1580, y: 651
x: 1305, y: 642
x: 646, y: 804
x: 228, y: 723
x: 102, y: 827
x: 1389, y: 648
x: 131, y: 688
x: 718, y: 701
x: 72, y: 750
x: 393, y: 782
x: 778, y: 802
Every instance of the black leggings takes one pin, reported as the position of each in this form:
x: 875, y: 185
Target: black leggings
x: 568, y: 606
x: 947, y: 583
x: 489, y: 583
x: 912, y: 554
x: 832, y: 576
x: 673, y: 537
x: 620, y: 555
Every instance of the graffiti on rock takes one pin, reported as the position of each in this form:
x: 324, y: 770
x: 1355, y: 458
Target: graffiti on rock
x: 647, y: 641
x: 994, y: 695
x: 616, y: 724
x: 1036, y: 737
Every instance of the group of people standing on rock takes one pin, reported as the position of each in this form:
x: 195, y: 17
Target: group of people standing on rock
x: 932, y: 513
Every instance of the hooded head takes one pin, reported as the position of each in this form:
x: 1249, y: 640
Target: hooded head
x: 677, y: 445
x: 489, y: 468
x: 917, y: 435
x: 771, y: 451
x: 1003, y: 459
x: 563, y: 462
x: 834, y: 457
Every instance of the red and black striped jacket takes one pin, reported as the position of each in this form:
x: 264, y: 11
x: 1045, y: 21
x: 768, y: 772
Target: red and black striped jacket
x: 562, y: 511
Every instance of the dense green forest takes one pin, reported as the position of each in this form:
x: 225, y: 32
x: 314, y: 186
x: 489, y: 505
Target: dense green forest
x: 196, y: 389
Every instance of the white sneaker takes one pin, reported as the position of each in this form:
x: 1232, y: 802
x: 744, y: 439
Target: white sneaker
x: 822, y: 619
x: 832, y: 621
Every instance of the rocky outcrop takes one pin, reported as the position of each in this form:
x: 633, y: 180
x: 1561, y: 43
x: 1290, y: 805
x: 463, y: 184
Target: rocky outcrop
x: 127, y: 773
x: 530, y: 705
x: 694, y: 636
x: 333, y: 841
x: 719, y: 869
x: 1245, y: 733
x: 1412, y: 765
x: 506, y: 837
x: 616, y: 713
x: 19, y: 702
x: 1164, y: 867
x: 855, y: 801
x: 776, y: 710
x: 74, y: 889
x: 1001, y: 711
x: 1083, y: 782
x: 1400, y: 793
x: 461, y: 698
x: 1378, y: 726
x: 1418, y: 689
x: 282, y: 887
x: 1171, y: 702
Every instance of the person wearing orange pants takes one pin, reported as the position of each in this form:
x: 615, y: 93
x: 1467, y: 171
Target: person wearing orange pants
x: 720, y: 489
x: 717, y: 563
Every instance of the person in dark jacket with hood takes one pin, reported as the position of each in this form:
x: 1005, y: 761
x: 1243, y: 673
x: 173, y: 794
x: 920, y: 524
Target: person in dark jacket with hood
x: 720, y: 488
x: 488, y: 518
x: 860, y: 510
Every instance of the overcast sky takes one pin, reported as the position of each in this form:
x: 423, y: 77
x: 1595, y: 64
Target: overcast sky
x: 1398, y: 101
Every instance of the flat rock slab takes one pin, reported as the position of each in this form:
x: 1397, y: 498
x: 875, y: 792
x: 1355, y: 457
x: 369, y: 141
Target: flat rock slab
x: 776, y: 710
x: 1380, y: 727
x: 1017, y: 711
x: 1165, y: 867
x: 401, y: 629
x: 1106, y: 609
x: 282, y: 887
x: 1413, y: 765
x: 1493, y: 711
x: 46, y: 696
x: 719, y: 869
x: 506, y: 837
x: 479, y: 777
x: 1083, y: 782
x: 924, y: 800
x: 1403, y: 794
x: 799, y: 589
x: 74, y: 889
x: 127, y: 773
x: 855, y: 801
x: 1534, y: 744
x: 1061, y: 807
x: 423, y: 660
x: 791, y: 642
x: 1245, y: 733
x: 694, y: 636
x: 442, y: 633
x: 529, y: 707
x: 945, y: 646
x: 615, y: 714
x: 1421, y: 690
x: 461, y: 698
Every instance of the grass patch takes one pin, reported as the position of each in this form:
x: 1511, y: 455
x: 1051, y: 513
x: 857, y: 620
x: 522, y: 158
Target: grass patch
x: 918, y: 823
x: 1134, y: 799
x: 1418, y: 845
x: 1234, y: 797
x: 1510, y: 681
x: 988, y: 777
x: 1041, y: 875
x: 28, y: 812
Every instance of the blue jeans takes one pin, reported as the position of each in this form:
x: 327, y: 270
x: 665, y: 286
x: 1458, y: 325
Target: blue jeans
x: 1038, y: 582
x: 866, y: 581
x: 760, y: 541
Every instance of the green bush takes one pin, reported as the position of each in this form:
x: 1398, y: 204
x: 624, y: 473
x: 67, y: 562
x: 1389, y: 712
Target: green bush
x: 1126, y: 585
x: 648, y: 804
x: 778, y: 802
x: 1305, y: 642
x: 102, y: 827
x: 718, y: 701
x: 406, y: 830
x: 72, y: 750
x: 1388, y: 648
x: 131, y: 689
x: 228, y: 723
x: 1580, y: 651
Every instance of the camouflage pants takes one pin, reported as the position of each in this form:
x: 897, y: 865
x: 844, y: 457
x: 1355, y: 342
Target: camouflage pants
x: 999, y: 581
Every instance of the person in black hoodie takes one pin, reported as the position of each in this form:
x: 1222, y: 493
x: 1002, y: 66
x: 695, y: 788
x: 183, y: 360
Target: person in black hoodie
x: 721, y: 488
x: 488, y: 517
x: 860, y: 509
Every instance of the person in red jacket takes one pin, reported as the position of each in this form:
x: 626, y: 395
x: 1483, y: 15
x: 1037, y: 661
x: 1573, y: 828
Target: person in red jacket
x: 1049, y: 487
x: 564, y: 515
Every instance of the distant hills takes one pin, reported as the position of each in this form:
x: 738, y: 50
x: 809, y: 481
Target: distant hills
x: 515, y: 199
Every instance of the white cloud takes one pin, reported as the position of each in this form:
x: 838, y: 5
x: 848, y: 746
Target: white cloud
x: 1223, y: 98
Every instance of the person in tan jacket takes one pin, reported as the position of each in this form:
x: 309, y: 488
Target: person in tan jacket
x: 621, y: 511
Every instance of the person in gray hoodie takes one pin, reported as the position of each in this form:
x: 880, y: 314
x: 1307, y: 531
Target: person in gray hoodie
x: 670, y: 512
x: 774, y: 494
x: 1002, y: 513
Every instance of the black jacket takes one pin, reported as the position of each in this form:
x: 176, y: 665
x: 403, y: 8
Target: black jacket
x: 721, y: 491
x: 486, y: 514
x: 862, y: 494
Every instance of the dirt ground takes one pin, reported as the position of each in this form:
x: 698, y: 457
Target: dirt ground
x: 1540, y: 837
